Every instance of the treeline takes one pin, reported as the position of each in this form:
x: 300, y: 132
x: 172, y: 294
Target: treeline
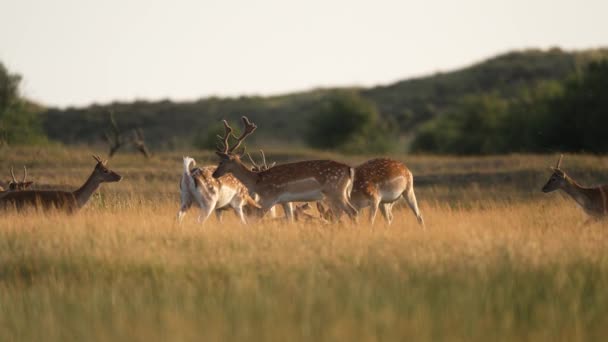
x: 520, y: 101
x: 571, y: 115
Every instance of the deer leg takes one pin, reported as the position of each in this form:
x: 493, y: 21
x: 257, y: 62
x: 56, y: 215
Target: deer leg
x: 273, y: 211
x: 288, y: 209
x: 185, y: 205
x: 410, y: 198
x: 343, y: 205
x: 182, y: 212
x: 373, y: 210
x: 386, y: 210
x: 206, y: 210
x: 218, y: 215
x: 240, y: 214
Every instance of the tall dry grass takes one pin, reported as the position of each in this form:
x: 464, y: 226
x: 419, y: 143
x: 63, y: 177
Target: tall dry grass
x: 489, y: 266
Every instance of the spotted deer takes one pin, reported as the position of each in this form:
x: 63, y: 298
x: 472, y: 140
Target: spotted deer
x: 198, y: 186
x: 304, y: 181
x: 379, y: 183
x: 69, y: 201
x: 15, y: 185
x: 593, y: 200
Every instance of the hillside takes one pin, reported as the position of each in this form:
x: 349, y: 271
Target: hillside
x: 283, y: 119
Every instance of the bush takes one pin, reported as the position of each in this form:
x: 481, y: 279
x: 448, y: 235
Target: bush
x: 348, y: 123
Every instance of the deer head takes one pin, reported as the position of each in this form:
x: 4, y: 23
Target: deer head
x: 557, y: 179
x: 15, y: 184
x: 229, y: 158
x: 325, y: 213
x: 102, y: 173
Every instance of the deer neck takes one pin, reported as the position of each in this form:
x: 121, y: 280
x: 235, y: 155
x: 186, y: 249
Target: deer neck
x: 246, y: 176
x: 576, y: 191
x: 86, y: 190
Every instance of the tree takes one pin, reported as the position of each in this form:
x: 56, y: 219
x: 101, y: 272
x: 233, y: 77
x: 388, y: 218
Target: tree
x: 473, y: 128
x: 578, y: 119
x: 347, y: 122
x: 19, y: 120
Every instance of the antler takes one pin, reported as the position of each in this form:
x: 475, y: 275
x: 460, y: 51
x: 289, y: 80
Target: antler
x: 255, y: 165
x: 559, y: 162
x: 264, y: 161
x: 223, y: 144
x: 249, y: 128
x: 99, y: 160
x: 24, y: 173
x: 13, y: 175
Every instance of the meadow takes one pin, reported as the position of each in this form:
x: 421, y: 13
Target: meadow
x: 498, y: 260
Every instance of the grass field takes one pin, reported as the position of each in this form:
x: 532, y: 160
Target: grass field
x: 498, y: 261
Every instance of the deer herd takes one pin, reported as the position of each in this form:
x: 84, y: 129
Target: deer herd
x: 254, y: 190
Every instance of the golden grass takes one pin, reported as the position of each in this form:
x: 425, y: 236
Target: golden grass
x: 487, y: 267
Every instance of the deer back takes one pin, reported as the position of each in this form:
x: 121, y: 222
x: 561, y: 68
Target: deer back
x: 44, y: 199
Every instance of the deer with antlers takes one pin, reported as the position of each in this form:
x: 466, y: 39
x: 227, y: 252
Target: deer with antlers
x: 116, y: 140
x: 210, y: 194
x: 379, y: 183
x: 15, y: 185
x: 593, y: 200
x: 304, y: 181
x: 69, y: 201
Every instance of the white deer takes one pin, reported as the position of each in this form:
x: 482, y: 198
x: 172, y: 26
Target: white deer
x: 210, y: 194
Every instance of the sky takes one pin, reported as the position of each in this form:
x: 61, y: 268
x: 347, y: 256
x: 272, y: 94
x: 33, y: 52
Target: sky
x: 78, y: 52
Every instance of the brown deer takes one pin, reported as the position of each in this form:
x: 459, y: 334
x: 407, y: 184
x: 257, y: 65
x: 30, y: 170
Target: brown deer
x: 301, y: 214
x: 379, y: 183
x: 15, y: 185
x: 594, y: 201
x: 305, y: 181
x: 210, y: 194
x: 62, y: 200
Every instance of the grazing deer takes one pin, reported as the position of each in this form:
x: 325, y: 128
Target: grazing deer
x: 62, y: 200
x: 305, y: 181
x: 116, y: 140
x: 301, y: 214
x: 379, y: 183
x: 210, y: 194
x: 15, y: 185
x: 594, y: 201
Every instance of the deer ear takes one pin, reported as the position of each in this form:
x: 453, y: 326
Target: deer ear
x: 222, y: 155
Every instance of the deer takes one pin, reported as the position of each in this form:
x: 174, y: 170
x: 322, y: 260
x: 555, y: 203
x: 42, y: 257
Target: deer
x: 593, y: 200
x: 15, y: 185
x: 301, y: 214
x: 379, y: 183
x: 304, y: 181
x: 68, y: 201
x: 210, y: 194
